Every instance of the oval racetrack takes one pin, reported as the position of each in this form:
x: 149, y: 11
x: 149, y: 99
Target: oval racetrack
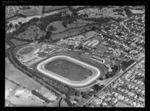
x: 69, y: 70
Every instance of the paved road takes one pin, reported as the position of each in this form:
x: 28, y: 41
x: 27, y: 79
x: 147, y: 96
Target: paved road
x: 118, y: 76
x: 25, y: 71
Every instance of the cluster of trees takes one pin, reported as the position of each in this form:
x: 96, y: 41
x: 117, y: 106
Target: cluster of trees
x: 77, y: 93
x: 31, y: 73
x: 97, y: 87
x: 44, y: 22
x: 43, y: 25
x: 73, y: 10
x: 99, y: 21
x: 128, y: 11
x: 73, y: 92
x: 55, y: 84
x: 126, y: 64
x: 64, y: 89
x: 22, y: 27
x: 23, y: 40
x: 87, y: 96
x: 47, y: 36
x: 68, y: 19
x: 40, y: 96
x: 115, y: 68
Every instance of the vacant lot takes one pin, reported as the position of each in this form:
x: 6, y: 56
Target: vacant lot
x: 19, y: 77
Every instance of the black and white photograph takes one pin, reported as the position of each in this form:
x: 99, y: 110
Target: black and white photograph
x: 75, y: 56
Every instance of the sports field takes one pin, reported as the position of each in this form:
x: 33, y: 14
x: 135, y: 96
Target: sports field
x: 26, y: 50
x: 68, y: 69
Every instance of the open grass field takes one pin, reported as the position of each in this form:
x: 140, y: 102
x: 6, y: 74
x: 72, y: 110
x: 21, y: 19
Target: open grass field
x: 68, y: 69
x: 19, y: 77
x: 78, y: 77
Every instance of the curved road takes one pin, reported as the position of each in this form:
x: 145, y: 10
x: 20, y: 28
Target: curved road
x: 16, y: 63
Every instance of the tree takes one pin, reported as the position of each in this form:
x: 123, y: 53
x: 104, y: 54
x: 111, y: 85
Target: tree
x: 19, y: 23
x: 10, y: 25
x: 98, y: 87
x: 51, y: 28
x: 68, y: 19
x: 16, y: 25
x: 77, y: 93
x: 80, y: 47
x: 86, y: 96
x: 64, y: 23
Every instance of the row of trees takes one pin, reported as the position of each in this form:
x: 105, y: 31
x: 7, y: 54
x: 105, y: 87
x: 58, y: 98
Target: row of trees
x: 57, y: 85
x: 40, y: 96
x: 68, y: 91
x: 68, y: 19
x: 44, y: 22
x: 36, y: 75
x: 33, y: 74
